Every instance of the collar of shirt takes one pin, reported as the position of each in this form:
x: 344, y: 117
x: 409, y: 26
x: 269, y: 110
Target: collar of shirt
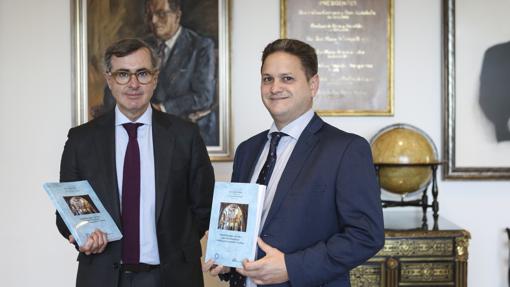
x: 171, y: 42
x: 294, y: 128
x: 145, y: 118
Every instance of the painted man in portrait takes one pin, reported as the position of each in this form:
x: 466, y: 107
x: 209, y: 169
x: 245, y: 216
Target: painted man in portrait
x: 495, y: 89
x: 187, y: 78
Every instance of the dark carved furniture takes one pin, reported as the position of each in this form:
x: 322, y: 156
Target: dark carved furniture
x: 416, y: 255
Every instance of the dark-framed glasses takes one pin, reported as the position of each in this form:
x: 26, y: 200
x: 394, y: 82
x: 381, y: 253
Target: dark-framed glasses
x: 122, y: 77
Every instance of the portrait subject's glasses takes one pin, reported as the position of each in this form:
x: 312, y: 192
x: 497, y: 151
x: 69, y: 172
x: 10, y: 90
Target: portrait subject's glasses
x: 122, y: 77
x: 162, y: 14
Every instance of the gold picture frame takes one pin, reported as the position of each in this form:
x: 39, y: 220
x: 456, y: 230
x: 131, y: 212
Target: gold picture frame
x: 354, y: 44
x: 98, y: 23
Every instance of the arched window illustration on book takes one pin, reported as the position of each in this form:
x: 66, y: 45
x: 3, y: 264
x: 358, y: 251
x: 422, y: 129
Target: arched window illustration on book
x: 233, y: 217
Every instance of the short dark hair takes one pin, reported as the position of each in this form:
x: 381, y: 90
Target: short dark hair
x: 302, y: 50
x: 126, y: 47
x: 174, y: 5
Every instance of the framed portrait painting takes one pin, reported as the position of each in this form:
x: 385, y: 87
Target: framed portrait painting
x: 354, y: 44
x: 192, y: 40
x: 476, y: 89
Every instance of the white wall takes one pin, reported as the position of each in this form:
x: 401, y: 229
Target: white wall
x: 35, y: 112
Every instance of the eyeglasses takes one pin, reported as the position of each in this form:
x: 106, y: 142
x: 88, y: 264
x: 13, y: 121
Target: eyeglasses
x: 122, y: 77
x: 163, y: 14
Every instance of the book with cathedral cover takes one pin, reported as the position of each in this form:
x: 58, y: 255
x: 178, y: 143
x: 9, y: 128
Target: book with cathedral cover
x: 235, y: 222
x: 81, y: 210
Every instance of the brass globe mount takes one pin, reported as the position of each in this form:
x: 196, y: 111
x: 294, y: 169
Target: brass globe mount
x: 423, y: 201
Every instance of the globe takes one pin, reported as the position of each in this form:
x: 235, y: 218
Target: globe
x: 403, y: 144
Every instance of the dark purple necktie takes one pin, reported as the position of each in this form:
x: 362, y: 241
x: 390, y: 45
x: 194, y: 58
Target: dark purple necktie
x: 131, y: 198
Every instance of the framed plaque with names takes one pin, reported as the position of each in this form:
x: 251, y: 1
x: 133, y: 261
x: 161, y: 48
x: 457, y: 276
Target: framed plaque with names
x: 354, y: 44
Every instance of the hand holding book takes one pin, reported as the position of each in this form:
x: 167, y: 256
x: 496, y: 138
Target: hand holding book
x: 214, y: 269
x: 96, y: 242
x: 270, y: 269
x: 83, y: 213
x: 235, y: 222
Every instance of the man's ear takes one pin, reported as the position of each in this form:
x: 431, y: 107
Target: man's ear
x: 178, y: 18
x: 156, y: 77
x: 314, y: 84
x: 108, y: 78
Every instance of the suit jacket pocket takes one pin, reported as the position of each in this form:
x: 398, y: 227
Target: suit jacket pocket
x: 84, y: 258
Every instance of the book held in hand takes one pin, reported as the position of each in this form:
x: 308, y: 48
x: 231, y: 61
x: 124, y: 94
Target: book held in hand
x: 235, y: 221
x: 81, y: 210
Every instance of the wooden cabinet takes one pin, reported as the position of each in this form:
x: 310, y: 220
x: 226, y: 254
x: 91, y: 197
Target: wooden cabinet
x: 416, y: 254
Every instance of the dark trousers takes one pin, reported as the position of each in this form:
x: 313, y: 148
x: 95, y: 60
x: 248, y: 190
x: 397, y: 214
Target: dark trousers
x: 140, y: 279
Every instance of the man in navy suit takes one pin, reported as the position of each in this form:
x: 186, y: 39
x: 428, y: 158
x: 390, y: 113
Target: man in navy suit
x: 322, y: 214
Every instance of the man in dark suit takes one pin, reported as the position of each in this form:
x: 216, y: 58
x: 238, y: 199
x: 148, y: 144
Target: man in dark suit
x: 495, y: 89
x: 322, y: 214
x: 152, y: 173
x: 187, y: 86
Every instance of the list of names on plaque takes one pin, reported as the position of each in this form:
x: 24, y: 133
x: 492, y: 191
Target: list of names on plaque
x: 351, y: 39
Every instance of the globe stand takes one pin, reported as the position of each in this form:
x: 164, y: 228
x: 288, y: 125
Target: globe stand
x: 424, y: 201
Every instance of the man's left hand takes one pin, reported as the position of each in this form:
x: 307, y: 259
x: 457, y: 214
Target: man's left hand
x: 269, y: 269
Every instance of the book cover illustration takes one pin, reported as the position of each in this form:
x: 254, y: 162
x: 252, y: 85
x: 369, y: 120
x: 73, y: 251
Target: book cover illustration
x: 81, y: 210
x: 235, y: 222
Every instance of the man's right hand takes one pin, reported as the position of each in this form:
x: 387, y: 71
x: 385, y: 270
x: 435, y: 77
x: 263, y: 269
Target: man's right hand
x: 96, y: 242
x: 214, y: 269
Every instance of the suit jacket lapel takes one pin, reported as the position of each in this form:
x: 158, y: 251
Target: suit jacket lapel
x: 252, y: 158
x: 105, y: 146
x: 304, y: 146
x: 164, y: 143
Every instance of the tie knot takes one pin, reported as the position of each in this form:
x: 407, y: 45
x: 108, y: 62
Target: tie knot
x: 276, y: 137
x: 161, y: 47
x: 131, y: 129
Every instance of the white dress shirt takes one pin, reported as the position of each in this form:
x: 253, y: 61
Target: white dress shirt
x: 148, y: 239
